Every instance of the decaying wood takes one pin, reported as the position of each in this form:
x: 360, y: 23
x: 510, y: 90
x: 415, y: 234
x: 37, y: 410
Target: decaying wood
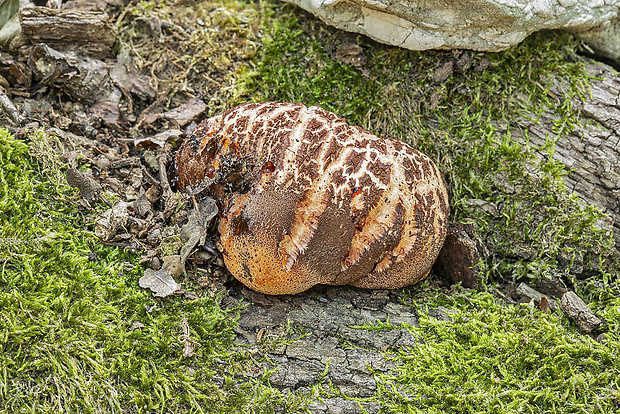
x: 88, y: 32
x: 590, y: 152
x: 83, y: 78
x: 577, y: 311
x: 459, y: 256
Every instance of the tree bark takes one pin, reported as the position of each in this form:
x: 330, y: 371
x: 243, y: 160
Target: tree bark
x: 592, y: 150
x: 88, y: 33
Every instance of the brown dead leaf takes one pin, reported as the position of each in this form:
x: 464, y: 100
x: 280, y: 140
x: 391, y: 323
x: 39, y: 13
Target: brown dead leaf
x: 88, y: 186
x: 153, y: 193
x: 195, y: 230
x: 142, y: 205
x: 129, y: 79
x: 111, y: 221
x: 159, y: 139
x: 109, y: 113
x: 186, y: 113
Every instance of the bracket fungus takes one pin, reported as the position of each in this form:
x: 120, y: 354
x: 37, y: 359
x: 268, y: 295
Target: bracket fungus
x: 306, y: 198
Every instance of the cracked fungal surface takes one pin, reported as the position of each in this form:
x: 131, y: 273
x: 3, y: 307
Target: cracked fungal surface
x: 307, y: 199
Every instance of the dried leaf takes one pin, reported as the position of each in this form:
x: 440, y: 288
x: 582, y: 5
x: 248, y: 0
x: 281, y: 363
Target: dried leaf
x: 187, y: 112
x: 159, y: 139
x: 195, y: 230
x: 109, y: 222
x: 544, y: 305
x: 142, y: 205
x: 161, y: 282
x: 129, y: 79
x: 87, y: 185
x: 173, y: 264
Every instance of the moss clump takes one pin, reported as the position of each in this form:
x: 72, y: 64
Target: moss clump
x: 532, y: 225
x: 67, y: 305
x: 496, y: 359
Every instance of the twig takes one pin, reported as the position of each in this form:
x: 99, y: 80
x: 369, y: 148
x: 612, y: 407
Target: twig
x: 10, y: 109
x: 163, y: 175
x: 188, y: 342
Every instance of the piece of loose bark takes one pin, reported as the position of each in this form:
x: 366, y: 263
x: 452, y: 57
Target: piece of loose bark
x: 89, y: 33
x: 82, y: 78
x: 542, y: 301
x: 577, y: 311
x: 459, y: 256
x: 9, y: 109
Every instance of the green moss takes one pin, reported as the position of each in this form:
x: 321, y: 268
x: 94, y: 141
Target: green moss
x: 66, y: 343
x: 497, y: 359
x: 538, y: 229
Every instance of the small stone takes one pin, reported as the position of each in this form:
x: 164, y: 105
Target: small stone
x: 155, y: 263
x: 154, y: 236
x: 103, y: 162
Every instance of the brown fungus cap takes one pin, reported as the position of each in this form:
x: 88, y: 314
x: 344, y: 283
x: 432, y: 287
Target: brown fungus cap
x: 309, y: 199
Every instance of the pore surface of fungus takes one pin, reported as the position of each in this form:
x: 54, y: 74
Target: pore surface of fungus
x: 306, y: 198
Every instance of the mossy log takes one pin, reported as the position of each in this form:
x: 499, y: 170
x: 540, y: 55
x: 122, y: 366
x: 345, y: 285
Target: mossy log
x: 591, y: 151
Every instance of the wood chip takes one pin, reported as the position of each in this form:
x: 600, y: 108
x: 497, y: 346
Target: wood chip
x: 577, y: 311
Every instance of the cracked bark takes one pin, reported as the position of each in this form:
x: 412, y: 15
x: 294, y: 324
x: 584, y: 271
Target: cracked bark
x: 591, y: 152
x: 332, y: 351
